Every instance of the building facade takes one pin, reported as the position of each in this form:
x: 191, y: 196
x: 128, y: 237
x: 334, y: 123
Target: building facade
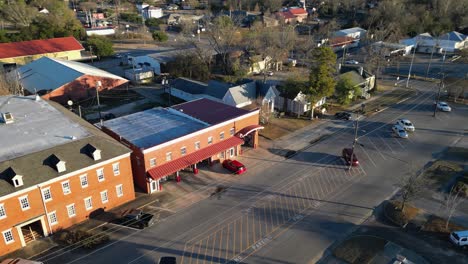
x: 52, y: 182
x: 166, y: 141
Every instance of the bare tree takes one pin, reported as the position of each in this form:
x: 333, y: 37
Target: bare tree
x: 452, y: 200
x: 19, y: 13
x: 223, y: 37
x: 411, y: 185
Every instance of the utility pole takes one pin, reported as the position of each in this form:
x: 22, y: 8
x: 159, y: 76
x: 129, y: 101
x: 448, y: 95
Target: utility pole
x: 411, y: 65
x: 441, y: 84
x: 356, y: 125
x: 98, y: 84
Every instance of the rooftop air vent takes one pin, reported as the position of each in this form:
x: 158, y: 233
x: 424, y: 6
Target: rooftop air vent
x: 12, y: 177
x: 91, y: 151
x: 56, y: 163
x: 7, y: 118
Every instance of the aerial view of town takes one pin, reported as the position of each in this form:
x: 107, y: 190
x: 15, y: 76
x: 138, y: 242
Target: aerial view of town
x: 234, y: 131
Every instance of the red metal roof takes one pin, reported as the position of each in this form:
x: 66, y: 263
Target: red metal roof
x: 248, y: 129
x: 39, y: 46
x: 287, y: 15
x: 341, y: 40
x: 298, y: 11
x: 192, y: 158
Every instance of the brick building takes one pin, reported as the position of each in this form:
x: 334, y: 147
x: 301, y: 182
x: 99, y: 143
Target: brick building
x: 55, y: 170
x: 167, y: 140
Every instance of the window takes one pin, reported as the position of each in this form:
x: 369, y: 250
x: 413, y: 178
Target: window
x: 104, y: 197
x: 210, y: 140
x: 2, y: 211
x: 221, y: 135
x: 100, y: 174
x: 152, y: 162
x: 66, y: 187
x: 24, y: 202
x: 53, y: 218
x: 71, y: 210
x: 183, y: 151
x: 231, y: 131
x: 231, y: 152
x: 46, y: 194
x: 169, y: 156
x: 197, y: 145
x: 119, y: 190
x: 84, y: 181
x: 8, y: 236
x: 88, y: 203
x: 116, y: 168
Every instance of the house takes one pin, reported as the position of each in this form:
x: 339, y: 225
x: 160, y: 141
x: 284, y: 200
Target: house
x: 453, y: 41
x: 355, y: 32
x: 237, y: 95
x: 293, y: 102
x: 153, y: 12
x: 141, y: 75
x: 359, y: 77
x: 267, y: 92
x: 388, y: 49
x: 56, y: 170
x: 23, y: 52
x: 62, y: 80
x: 178, y: 18
x: 424, y: 43
x: 166, y: 141
x: 292, y: 15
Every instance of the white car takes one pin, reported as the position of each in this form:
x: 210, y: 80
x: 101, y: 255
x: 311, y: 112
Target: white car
x: 406, y: 124
x: 351, y: 62
x: 399, y: 131
x: 443, y: 106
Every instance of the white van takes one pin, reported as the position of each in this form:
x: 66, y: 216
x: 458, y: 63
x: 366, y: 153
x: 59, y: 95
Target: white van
x: 460, y: 238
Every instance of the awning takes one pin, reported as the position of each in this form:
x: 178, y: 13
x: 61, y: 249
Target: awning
x: 192, y: 158
x: 247, y: 130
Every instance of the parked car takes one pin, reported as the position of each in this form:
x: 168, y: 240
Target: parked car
x: 351, y: 62
x: 167, y: 260
x: 399, y: 131
x: 443, y: 106
x: 406, y: 124
x: 136, y: 219
x: 460, y: 238
x: 234, y: 166
x: 346, y: 155
x: 343, y: 115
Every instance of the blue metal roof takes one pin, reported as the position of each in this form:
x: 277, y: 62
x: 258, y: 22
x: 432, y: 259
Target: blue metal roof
x: 153, y: 127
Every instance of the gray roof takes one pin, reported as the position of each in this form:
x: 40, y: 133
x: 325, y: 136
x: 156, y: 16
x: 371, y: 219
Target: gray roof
x: 48, y: 74
x: 43, y: 139
x: 244, y: 92
x: 35, y: 167
x: 189, y: 86
x: 217, y: 89
x: 37, y: 126
x: 154, y: 126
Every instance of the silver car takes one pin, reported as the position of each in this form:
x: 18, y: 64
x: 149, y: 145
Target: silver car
x: 405, y: 124
x: 443, y: 106
x: 399, y: 131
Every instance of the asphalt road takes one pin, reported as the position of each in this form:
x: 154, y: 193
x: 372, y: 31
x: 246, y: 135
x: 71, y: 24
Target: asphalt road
x: 291, y: 211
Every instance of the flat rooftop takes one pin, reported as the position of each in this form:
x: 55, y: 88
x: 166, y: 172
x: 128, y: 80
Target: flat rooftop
x: 152, y: 127
x: 37, y: 126
x: 210, y: 111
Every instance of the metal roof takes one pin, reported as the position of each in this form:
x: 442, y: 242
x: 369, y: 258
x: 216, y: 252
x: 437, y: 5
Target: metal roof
x: 39, y: 46
x: 192, y: 158
x: 49, y: 74
x: 154, y: 126
x: 37, y: 126
x: 210, y: 111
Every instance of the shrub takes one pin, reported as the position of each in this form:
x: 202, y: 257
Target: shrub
x: 160, y: 36
x: 86, y: 238
x: 461, y: 187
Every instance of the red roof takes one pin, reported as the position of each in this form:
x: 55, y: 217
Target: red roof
x: 287, y: 15
x: 341, y: 40
x: 298, y: 11
x: 39, y: 46
x: 192, y: 158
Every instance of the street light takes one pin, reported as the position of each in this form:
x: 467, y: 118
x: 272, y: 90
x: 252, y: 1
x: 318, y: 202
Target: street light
x: 198, y: 33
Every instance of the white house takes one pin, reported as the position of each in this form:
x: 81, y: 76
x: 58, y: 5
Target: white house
x: 391, y: 49
x: 355, y: 32
x: 152, y: 12
x: 453, y: 41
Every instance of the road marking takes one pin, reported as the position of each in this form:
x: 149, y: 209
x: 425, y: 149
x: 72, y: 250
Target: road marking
x: 206, y: 249
x: 213, y: 247
x: 220, y: 247
x: 385, y: 142
x: 376, y: 149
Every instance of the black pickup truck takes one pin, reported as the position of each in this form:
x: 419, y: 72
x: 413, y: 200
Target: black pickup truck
x: 136, y: 219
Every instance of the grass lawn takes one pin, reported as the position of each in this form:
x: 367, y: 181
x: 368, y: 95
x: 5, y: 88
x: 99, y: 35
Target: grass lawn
x: 436, y: 225
x: 279, y: 127
x: 441, y: 171
x: 359, y: 249
x: 394, y: 214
